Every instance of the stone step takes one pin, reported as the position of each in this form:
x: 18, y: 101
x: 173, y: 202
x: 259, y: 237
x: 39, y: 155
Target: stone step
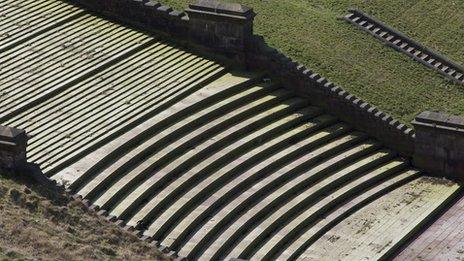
x: 126, y: 146
x: 140, y: 193
x: 205, y: 174
x: 31, y: 17
x: 140, y: 166
x: 303, y: 245
x: 94, y: 112
x: 401, y: 229
x: 190, y: 84
x: 81, y: 100
x: 296, y: 224
x: 396, y: 211
x: 16, y: 6
x: 257, y: 226
x: 55, y: 74
x: 207, y: 114
x: 68, y: 139
x: 41, y: 54
x: 248, y: 170
x: 35, y: 119
x: 440, y: 241
x: 35, y: 55
x: 38, y: 52
x: 243, y: 202
x: 24, y: 13
x: 197, y: 164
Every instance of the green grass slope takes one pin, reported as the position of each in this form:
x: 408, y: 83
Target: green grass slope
x: 309, y: 32
x: 39, y: 224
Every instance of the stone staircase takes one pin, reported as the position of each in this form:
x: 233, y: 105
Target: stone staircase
x: 208, y: 161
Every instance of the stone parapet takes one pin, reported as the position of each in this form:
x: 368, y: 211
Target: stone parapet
x: 13, y: 144
x: 439, y: 144
x: 223, y: 26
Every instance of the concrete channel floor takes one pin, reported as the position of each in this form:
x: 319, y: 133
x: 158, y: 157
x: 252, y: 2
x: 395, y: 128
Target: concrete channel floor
x: 210, y: 161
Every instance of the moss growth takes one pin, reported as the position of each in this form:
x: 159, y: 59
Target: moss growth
x: 309, y: 32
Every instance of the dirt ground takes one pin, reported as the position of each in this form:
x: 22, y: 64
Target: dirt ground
x: 39, y: 224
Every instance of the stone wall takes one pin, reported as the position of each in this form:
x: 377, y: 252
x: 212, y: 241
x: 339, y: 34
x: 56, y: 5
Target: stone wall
x: 333, y: 98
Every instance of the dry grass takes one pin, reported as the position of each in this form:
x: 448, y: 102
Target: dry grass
x: 39, y: 224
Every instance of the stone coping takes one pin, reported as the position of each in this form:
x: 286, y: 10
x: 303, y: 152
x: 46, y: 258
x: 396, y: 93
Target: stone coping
x: 212, y: 6
x: 440, y: 120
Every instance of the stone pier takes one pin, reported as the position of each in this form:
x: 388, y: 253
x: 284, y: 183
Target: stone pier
x: 439, y: 144
x: 13, y: 144
x: 227, y: 27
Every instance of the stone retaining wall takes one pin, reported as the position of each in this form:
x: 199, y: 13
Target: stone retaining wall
x: 333, y: 98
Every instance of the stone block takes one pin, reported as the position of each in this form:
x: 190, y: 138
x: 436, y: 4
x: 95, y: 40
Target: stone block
x: 13, y: 143
x: 224, y: 26
x: 439, y: 145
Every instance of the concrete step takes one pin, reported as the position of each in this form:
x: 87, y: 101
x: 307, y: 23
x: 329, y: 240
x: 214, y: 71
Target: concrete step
x: 243, y: 202
x: 412, y: 220
x: 81, y: 100
x: 77, y: 174
x: 192, y: 82
x: 91, y: 190
x: 399, y: 212
x: 184, y: 115
x: 205, y: 172
x: 58, y: 146
x: 296, y: 224
x: 442, y: 240
x: 49, y: 74
x: 259, y: 223
x: 246, y: 171
x: 136, y: 171
x: 28, y: 19
x: 116, y: 105
x: 218, y: 151
x: 303, y: 245
x: 177, y: 148
x: 72, y: 98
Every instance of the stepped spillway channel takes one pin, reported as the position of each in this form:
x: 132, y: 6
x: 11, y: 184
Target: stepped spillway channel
x: 209, y: 161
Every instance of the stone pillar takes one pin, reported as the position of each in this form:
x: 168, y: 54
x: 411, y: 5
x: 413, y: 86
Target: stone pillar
x: 13, y: 144
x: 439, y: 145
x: 227, y: 27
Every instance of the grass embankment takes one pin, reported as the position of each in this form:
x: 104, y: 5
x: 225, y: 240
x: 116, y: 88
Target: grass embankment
x: 39, y: 224
x: 309, y: 32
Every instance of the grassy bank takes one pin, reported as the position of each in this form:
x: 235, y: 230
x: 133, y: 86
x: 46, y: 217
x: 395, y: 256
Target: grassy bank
x: 309, y: 32
x: 33, y: 227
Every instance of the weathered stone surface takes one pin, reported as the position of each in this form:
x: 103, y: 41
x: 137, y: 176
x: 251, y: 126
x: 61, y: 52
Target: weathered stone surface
x: 439, y: 144
x: 12, y: 147
x: 224, y: 26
